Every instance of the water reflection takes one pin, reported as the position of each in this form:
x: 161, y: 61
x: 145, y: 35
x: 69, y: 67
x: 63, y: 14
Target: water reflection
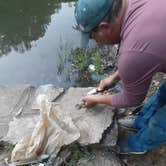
x: 24, y: 21
x: 38, y: 37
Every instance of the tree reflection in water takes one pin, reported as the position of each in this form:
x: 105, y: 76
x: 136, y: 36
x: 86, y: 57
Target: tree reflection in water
x: 24, y: 21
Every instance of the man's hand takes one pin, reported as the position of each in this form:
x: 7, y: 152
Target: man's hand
x: 109, y: 81
x: 90, y: 100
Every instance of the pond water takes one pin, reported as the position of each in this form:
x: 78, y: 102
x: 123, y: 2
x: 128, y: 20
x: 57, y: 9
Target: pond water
x: 36, y: 36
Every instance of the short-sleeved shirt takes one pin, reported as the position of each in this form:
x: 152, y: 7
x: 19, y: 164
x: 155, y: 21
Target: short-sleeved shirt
x: 142, y: 50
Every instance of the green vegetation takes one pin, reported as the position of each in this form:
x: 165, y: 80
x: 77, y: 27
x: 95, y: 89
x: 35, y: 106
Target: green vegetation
x: 8, y: 147
x: 62, y: 57
x: 80, y: 154
x: 96, y: 60
x: 80, y: 59
x: 85, y: 66
x: 83, y: 59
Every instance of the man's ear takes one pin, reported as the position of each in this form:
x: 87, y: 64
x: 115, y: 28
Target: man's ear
x: 104, y: 25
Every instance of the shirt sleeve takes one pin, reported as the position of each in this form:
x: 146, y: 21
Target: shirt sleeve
x: 136, y: 70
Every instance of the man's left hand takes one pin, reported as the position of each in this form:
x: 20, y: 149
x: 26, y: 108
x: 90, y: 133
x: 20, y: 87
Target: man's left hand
x: 90, y: 100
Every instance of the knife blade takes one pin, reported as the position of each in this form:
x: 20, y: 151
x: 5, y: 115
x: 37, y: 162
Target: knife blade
x: 96, y: 90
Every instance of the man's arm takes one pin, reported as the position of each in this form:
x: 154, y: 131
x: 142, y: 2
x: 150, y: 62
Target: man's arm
x: 136, y: 70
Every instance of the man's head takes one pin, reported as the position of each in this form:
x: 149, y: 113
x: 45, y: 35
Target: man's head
x: 96, y: 18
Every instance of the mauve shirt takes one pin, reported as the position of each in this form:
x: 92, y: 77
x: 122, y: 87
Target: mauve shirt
x: 142, y: 51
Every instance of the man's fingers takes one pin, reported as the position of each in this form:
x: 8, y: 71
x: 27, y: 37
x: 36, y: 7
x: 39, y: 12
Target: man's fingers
x: 89, y: 101
x: 83, y: 99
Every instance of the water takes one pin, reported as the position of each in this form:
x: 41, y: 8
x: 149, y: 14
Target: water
x: 36, y: 38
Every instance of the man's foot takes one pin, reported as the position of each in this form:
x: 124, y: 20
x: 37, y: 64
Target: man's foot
x: 127, y: 123
x: 124, y: 148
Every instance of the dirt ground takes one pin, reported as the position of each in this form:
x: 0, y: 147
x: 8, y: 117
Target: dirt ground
x: 155, y: 157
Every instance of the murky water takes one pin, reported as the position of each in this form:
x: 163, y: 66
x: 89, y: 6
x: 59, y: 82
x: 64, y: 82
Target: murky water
x: 36, y: 37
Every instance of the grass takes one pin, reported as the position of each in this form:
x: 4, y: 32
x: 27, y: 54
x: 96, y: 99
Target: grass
x: 80, y: 154
x: 96, y: 60
x: 82, y: 59
x: 9, y: 147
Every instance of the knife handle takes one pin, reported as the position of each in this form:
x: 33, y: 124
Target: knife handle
x: 107, y: 87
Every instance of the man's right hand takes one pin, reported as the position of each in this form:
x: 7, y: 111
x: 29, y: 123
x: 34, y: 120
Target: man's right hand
x: 109, y: 81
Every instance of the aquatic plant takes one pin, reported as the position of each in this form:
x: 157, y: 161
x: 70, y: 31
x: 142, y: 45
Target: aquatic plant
x: 83, y: 60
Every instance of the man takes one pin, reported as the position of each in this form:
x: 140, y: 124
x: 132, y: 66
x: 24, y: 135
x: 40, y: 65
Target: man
x: 139, y: 27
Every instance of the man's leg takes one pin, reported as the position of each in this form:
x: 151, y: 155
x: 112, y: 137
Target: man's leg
x: 150, y: 122
x: 150, y: 108
x: 147, y: 111
x: 151, y: 136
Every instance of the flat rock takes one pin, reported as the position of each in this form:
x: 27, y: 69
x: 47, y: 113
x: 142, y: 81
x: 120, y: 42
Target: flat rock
x: 92, y: 122
x: 13, y: 100
x: 60, y: 109
x: 18, y: 104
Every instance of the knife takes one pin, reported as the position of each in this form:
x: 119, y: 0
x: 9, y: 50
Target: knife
x: 96, y: 90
